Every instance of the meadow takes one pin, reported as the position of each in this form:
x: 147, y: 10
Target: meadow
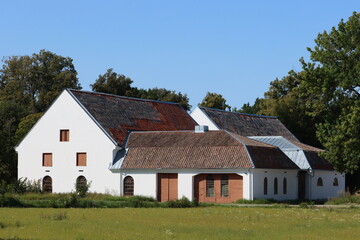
x: 180, y: 223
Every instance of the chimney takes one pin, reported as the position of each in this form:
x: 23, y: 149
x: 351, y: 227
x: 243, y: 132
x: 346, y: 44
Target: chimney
x: 201, y: 129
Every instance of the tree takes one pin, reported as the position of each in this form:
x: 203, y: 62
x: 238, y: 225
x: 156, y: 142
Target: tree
x: 250, y: 109
x: 114, y: 83
x: 214, y: 100
x: 35, y: 81
x: 332, y: 80
x: 10, y: 115
x: 162, y: 94
x: 287, y: 100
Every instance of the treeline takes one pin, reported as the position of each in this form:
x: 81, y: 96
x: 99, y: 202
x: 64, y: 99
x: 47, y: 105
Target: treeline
x: 320, y: 104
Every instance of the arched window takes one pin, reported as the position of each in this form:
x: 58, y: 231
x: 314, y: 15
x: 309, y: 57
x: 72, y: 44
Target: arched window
x: 47, y: 184
x: 224, y: 186
x: 335, y: 182
x: 284, y: 186
x: 265, y: 186
x: 275, y: 186
x: 81, y: 182
x: 320, y: 182
x: 209, y: 186
x: 128, y: 186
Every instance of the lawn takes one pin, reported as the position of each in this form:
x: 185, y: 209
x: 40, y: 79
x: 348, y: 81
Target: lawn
x: 190, y: 223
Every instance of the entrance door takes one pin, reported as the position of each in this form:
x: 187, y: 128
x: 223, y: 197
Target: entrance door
x: 301, y: 185
x: 167, y: 187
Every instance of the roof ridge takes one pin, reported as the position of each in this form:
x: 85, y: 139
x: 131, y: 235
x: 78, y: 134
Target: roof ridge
x: 246, y: 114
x: 118, y: 96
x: 173, y: 131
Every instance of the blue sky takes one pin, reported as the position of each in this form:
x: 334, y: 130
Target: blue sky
x: 235, y: 48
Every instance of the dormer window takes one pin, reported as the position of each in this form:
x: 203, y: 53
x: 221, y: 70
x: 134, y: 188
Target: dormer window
x: 64, y: 135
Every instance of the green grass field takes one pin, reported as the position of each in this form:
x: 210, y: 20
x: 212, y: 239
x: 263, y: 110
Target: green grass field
x: 191, y: 223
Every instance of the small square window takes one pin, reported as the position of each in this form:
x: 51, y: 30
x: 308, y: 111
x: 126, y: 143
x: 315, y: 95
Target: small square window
x: 80, y: 159
x: 47, y: 160
x: 64, y: 135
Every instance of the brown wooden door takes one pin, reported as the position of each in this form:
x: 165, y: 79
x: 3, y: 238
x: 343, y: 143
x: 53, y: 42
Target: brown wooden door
x: 167, y: 187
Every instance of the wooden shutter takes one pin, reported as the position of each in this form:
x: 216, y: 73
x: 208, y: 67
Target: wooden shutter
x: 64, y: 135
x: 81, y: 159
x: 47, y: 160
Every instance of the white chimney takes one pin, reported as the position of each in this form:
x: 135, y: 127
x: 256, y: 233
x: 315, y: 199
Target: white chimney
x: 201, y: 128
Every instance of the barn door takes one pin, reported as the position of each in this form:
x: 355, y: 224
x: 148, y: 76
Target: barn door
x: 167, y: 187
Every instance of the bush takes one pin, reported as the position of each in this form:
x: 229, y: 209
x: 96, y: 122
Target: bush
x: 82, y: 188
x: 179, y: 203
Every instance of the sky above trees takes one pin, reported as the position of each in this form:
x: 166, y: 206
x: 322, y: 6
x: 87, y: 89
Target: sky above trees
x: 234, y: 48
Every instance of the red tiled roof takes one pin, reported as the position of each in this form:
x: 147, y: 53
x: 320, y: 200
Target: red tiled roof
x: 213, y: 149
x: 119, y: 115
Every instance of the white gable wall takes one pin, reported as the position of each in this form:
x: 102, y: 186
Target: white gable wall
x: 85, y: 136
x: 202, y: 119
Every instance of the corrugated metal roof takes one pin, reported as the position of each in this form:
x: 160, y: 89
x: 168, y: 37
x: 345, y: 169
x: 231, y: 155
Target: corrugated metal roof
x: 248, y: 124
x: 213, y: 149
x: 119, y: 115
x: 277, y: 141
x: 304, y: 156
x: 298, y: 158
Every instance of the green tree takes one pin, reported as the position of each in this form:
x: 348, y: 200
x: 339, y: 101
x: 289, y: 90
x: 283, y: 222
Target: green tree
x: 10, y: 115
x: 24, y: 126
x: 250, y: 109
x: 214, y: 100
x: 287, y: 100
x: 35, y: 81
x: 114, y: 83
x: 162, y: 94
x: 332, y: 80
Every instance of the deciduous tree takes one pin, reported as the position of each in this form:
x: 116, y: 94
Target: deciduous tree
x: 214, y: 100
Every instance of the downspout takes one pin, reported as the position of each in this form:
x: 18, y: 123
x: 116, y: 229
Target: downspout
x: 251, y: 178
x: 312, y: 175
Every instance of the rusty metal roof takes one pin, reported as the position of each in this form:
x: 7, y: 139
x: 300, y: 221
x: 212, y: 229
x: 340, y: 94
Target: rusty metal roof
x: 208, y: 150
x: 118, y: 115
x: 248, y: 124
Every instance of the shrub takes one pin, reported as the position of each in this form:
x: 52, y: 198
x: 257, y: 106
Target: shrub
x: 179, y: 203
x: 82, y: 188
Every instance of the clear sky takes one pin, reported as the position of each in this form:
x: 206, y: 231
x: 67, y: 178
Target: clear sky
x: 235, y: 48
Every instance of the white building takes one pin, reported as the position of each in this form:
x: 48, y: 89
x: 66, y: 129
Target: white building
x: 316, y: 178
x: 127, y: 146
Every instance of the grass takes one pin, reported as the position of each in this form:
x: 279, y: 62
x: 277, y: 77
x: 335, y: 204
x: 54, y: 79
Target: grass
x: 190, y: 223
x: 72, y: 200
x: 344, y: 199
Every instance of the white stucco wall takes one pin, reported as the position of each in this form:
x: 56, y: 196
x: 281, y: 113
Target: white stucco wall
x: 85, y: 136
x: 145, y: 181
x: 201, y: 118
x: 291, y: 178
x: 327, y: 190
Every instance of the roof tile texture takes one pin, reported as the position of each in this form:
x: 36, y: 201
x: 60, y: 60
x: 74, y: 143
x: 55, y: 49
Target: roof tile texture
x: 248, y: 125
x: 213, y: 149
x: 118, y: 115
